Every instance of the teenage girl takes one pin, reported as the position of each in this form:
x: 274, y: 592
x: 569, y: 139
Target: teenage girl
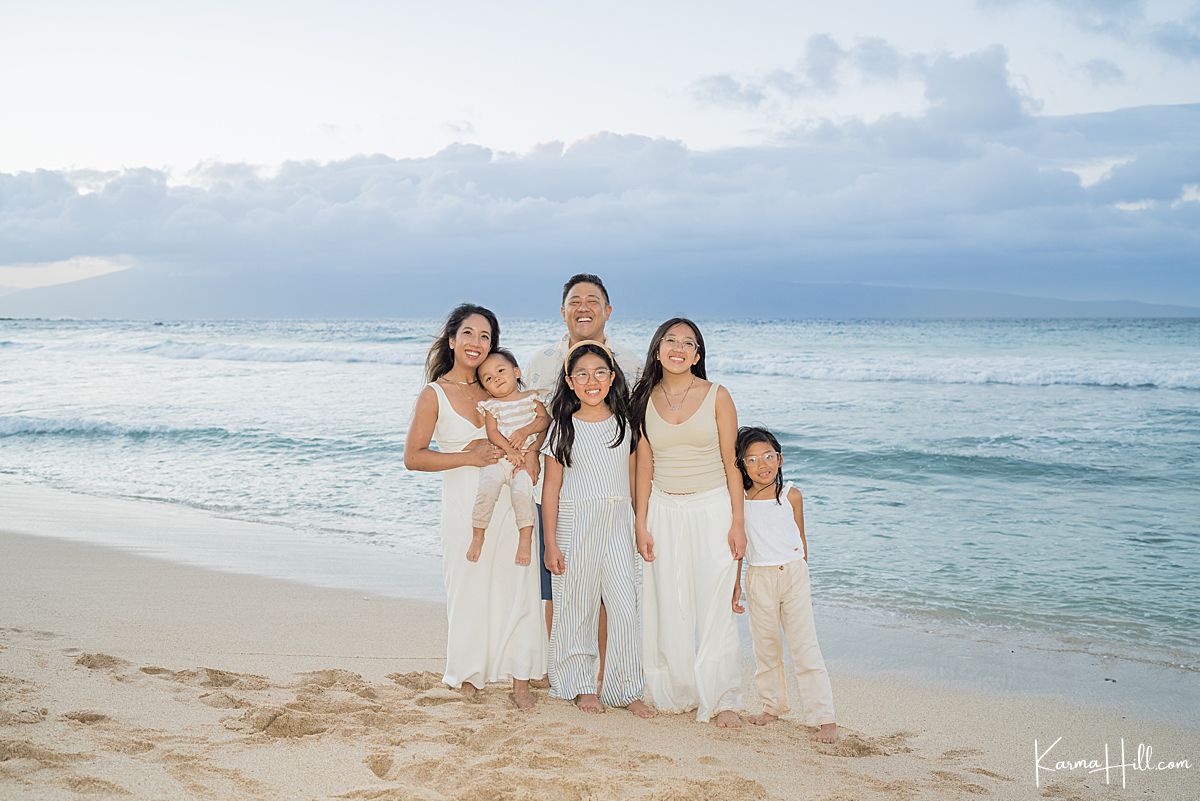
x: 777, y: 588
x: 689, y: 528
x: 587, y: 523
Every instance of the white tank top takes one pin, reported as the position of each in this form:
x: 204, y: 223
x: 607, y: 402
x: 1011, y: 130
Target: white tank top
x: 772, y: 536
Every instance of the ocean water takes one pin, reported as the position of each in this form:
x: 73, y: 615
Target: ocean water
x: 1040, y: 478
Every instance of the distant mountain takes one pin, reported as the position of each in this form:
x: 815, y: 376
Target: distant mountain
x: 149, y: 294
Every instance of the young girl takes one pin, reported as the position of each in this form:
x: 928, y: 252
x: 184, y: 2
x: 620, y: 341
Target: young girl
x: 512, y: 419
x: 689, y: 528
x: 777, y: 587
x: 587, y: 524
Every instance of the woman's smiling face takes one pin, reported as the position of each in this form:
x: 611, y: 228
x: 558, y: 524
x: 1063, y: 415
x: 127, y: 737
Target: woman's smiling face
x: 679, y: 349
x: 472, y: 342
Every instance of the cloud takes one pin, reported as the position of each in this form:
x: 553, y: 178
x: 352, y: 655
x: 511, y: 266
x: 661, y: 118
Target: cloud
x: 1102, y: 72
x: 1179, y: 38
x: 975, y: 90
x: 1124, y: 20
x: 976, y: 192
x: 821, y: 70
x: 725, y: 90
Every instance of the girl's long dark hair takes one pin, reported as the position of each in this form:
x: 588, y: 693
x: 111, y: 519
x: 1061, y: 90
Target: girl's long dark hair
x: 440, y: 358
x: 747, y: 436
x: 652, y: 373
x: 565, y: 403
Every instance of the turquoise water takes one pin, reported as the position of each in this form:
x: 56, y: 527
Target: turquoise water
x: 1035, y: 476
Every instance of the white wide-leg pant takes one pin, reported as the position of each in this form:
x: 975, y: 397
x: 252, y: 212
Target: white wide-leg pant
x: 780, y: 603
x: 599, y: 547
x: 691, y: 655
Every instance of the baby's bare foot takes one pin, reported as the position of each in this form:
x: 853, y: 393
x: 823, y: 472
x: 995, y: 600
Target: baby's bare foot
x: 524, y: 548
x: 522, y: 697
x: 728, y: 720
x: 828, y: 733
x: 763, y: 719
x: 640, y: 709
x: 476, y: 546
x: 588, y: 703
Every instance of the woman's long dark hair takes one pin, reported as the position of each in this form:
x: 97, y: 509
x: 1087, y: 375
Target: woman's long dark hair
x: 440, y: 358
x: 652, y: 373
x: 747, y: 436
x: 565, y: 403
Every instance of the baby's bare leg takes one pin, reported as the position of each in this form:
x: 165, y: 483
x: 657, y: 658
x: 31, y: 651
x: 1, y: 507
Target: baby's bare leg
x: 525, y: 546
x: 476, y: 546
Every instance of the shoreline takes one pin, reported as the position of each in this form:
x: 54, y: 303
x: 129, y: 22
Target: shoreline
x: 122, y: 671
x: 859, y: 642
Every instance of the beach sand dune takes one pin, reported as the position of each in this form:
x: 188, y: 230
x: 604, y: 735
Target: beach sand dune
x: 122, y: 677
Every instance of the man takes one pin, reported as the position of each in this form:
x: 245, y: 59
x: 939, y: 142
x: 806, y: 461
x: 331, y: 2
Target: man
x: 585, y: 310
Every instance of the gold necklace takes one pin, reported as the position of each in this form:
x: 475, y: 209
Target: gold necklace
x: 460, y: 383
x: 675, y: 406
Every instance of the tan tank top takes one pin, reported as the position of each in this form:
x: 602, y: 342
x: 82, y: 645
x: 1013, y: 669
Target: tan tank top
x: 687, y: 456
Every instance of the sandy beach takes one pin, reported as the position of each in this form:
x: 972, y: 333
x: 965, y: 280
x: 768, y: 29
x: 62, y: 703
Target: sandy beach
x: 128, y: 677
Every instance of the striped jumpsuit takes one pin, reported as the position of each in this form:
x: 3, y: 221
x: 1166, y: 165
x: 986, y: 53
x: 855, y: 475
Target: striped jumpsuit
x: 595, y: 535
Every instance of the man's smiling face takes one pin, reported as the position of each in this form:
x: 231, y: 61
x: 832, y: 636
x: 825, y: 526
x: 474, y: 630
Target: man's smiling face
x: 585, y: 312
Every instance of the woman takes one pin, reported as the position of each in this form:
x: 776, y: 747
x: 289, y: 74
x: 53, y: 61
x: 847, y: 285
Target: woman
x: 689, y: 525
x: 493, y: 606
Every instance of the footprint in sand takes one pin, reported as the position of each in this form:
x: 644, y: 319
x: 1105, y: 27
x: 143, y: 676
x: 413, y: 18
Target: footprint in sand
x: 86, y: 716
x: 379, y: 764
x: 101, y: 662
x: 438, y: 696
x: 856, y: 745
x: 960, y: 783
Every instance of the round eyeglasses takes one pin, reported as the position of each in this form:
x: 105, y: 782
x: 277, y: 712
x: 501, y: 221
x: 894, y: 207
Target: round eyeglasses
x: 601, y: 374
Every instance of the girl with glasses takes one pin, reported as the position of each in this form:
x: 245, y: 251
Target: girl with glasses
x: 587, y: 525
x: 689, y: 528
x: 777, y: 588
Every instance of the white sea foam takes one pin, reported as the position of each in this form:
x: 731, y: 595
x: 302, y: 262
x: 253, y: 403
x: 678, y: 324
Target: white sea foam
x: 16, y: 425
x: 1019, y: 371
x: 171, y: 349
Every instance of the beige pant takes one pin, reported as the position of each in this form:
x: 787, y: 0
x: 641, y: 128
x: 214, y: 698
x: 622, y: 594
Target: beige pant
x: 780, y: 604
x: 492, y: 479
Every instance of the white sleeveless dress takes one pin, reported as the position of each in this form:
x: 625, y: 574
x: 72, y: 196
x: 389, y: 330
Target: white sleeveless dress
x: 497, y: 630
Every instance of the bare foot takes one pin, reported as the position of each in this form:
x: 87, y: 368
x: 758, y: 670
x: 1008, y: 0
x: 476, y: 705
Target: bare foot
x: 828, y: 733
x: 640, y: 709
x: 476, y: 546
x: 521, y: 695
x: 524, y: 546
x: 728, y: 720
x: 588, y: 703
x: 542, y: 683
x: 763, y: 719
x: 468, y: 689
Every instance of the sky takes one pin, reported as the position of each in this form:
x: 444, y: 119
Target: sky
x: 1042, y: 147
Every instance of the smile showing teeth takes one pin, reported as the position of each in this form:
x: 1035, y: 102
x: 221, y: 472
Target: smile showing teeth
x: 583, y: 319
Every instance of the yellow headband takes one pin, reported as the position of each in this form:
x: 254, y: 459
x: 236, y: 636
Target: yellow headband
x: 601, y: 345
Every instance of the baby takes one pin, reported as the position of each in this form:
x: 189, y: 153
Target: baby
x: 514, y: 419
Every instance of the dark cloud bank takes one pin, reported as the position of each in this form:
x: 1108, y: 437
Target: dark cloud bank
x: 975, y: 195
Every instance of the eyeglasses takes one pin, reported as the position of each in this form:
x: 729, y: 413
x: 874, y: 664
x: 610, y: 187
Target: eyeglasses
x: 670, y: 343
x: 770, y: 457
x: 601, y: 374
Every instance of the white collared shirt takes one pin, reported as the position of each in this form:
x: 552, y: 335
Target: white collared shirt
x: 546, y: 366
